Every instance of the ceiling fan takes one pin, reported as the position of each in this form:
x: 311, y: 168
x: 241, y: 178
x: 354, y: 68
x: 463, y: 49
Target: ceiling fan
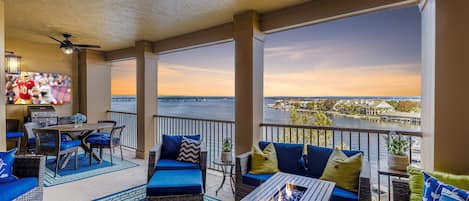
x: 68, y: 47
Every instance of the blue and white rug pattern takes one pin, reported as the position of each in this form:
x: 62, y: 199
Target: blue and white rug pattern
x: 69, y: 174
x: 136, y: 193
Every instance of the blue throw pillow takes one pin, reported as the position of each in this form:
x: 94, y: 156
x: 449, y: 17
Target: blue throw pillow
x: 435, y: 190
x: 172, y: 145
x: 289, y: 156
x: 317, y: 158
x: 6, y: 166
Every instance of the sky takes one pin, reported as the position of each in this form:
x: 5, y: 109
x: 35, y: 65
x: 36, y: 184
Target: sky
x: 376, y: 54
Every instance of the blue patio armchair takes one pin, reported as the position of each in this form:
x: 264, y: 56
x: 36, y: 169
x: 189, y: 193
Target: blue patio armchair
x: 170, y: 179
x: 29, y: 186
x: 49, y: 142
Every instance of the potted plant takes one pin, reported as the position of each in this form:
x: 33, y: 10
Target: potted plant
x: 226, y: 155
x: 398, y: 158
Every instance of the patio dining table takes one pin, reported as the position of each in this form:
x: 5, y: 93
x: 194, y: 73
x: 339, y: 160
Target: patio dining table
x: 80, y: 133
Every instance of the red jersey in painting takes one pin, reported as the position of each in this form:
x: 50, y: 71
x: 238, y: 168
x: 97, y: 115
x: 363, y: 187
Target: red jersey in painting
x: 24, y: 89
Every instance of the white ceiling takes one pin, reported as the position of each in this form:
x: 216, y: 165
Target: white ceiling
x: 116, y: 24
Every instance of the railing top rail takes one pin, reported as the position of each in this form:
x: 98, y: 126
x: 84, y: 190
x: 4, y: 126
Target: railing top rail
x: 121, y: 112
x: 406, y: 133
x: 196, y: 119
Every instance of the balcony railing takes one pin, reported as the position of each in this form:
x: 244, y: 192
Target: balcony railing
x: 373, y: 142
x: 129, y: 119
x: 213, y: 132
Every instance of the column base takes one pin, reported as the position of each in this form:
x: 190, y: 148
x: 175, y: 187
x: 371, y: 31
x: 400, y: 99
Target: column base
x: 141, y: 154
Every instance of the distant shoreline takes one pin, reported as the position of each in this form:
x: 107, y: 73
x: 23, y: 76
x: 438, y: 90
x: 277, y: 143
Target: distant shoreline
x: 291, y: 97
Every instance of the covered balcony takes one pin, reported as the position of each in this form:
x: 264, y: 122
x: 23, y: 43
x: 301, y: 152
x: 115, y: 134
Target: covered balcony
x: 143, y: 31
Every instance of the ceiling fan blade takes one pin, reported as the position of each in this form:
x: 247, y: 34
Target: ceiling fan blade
x: 61, y: 42
x: 86, y: 46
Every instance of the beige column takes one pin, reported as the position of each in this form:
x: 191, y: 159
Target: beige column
x: 249, y: 74
x: 98, y: 83
x: 93, y: 80
x: 3, y: 145
x: 445, y: 82
x: 147, y: 97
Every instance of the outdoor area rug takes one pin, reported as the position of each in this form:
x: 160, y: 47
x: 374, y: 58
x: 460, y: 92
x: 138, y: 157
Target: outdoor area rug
x: 69, y: 174
x: 136, y: 193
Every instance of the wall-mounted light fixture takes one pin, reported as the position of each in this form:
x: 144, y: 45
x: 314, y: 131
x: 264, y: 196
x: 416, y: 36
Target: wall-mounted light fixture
x: 12, y: 63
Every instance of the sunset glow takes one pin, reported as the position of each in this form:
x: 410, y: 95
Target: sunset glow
x: 379, y: 56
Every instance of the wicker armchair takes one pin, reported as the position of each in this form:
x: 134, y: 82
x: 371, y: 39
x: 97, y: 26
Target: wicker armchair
x: 400, y: 189
x: 243, y: 164
x: 154, y: 156
x: 30, y: 166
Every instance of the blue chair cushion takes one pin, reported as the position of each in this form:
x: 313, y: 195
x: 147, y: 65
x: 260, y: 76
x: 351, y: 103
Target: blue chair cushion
x: 69, y: 144
x: 175, y: 182
x: 172, y: 144
x: 14, y: 134
x: 99, y: 134
x: 12, y: 190
x: 289, y: 156
x: 255, y: 179
x: 340, y: 194
x: 6, y: 166
x: 317, y: 158
x: 101, y: 140
x: 168, y: 164
x: 31, y: 141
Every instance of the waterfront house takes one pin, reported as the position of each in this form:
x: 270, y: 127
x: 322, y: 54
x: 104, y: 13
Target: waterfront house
x: 144, y: 29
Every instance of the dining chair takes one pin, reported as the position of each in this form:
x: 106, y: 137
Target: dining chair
x: 12, y: 132
x: 31, y: 142
x: 108, y: 142
x: 104, y: 131
x: 49, y: 142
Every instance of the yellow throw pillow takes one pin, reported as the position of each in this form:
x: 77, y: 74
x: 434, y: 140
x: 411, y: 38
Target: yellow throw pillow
x: 264, y: 162
x: 343, y: 170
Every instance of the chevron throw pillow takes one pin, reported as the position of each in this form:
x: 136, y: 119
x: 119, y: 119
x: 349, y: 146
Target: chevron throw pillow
x: 189, y: 151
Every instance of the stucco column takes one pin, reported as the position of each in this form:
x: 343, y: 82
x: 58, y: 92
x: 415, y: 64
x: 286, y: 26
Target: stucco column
x: 445, y: 82
x: 3, y: 145
x: 249, y: 79
x: 93, y: 85
x: 147, y: 97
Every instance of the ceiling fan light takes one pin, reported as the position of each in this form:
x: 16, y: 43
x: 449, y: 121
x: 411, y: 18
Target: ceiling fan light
x: 67, y: 50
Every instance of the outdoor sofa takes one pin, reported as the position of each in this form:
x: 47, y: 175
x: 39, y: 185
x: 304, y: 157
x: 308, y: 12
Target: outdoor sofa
x: 292, y: 160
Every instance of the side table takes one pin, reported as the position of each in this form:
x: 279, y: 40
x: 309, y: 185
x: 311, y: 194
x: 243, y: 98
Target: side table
x: 227, y: 171
x: 386, y: 171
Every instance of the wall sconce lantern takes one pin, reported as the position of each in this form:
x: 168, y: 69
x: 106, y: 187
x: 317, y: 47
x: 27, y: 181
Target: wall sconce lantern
x: 12, y: 63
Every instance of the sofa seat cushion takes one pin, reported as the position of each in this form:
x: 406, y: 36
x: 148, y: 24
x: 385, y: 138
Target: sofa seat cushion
x: 317, y: 158
x: 255, y: 179
x: 168, y: 164
x: 175, y: 182
x: 289, y: 157
x: 14, y: 134
x: 340, y: 194
x: 12, y: 190
x: 172, y: 145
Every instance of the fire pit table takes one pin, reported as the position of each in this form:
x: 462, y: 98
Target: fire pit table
x: 290, y: 187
